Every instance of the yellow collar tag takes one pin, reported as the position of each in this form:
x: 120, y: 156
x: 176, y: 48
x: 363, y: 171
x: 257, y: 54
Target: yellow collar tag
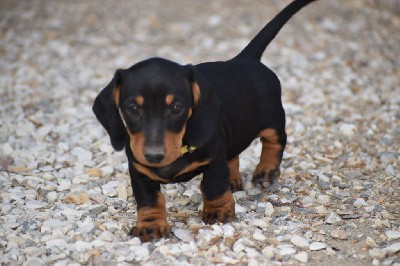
x: 186, y: 149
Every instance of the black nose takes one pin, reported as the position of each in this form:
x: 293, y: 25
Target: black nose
x: 154, y: 157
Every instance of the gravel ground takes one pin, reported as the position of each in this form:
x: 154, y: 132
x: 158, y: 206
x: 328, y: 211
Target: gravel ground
x: 65, y: 195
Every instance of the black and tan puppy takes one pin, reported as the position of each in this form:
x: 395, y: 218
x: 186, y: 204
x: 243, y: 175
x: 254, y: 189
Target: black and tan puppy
x: 177, y: 121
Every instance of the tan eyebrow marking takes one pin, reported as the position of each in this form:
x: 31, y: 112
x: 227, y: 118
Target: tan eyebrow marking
x: 169, y: 99
x: 139, y: 100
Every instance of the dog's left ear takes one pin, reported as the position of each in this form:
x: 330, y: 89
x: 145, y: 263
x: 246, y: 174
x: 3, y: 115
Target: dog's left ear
x: 201, y: 125
x: 106, y: 110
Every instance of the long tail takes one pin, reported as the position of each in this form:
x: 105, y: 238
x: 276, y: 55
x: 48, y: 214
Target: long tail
x: 256, y: 47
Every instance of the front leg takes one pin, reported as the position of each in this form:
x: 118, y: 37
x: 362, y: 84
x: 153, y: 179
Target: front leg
x: 151, y: 212
x: 218, y: 202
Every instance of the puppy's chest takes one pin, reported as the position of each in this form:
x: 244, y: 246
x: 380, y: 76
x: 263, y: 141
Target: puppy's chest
x: 180, y: 171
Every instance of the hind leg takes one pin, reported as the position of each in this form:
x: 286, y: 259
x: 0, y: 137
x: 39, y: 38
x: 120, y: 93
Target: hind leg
x: 273, y: 144
x: 234, y: 175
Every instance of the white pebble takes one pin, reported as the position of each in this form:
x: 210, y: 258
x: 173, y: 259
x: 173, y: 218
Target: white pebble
x: 51, y: 196
x: 183, y: 235
x: 269, y: 209
x: 84, y: 156
x: 229, y: 231
x: 64, y: 185
x: 82, y: 246
x: 317, y: 246
x: 332, y: 218
x: 268, y: 252
x: 287, y: 251
x: 7, y: 149
x: 259, y: 236
x: 392, y: 235
x: 302, y: 257
x: 238, y: 246
x: 299, y: 241
x: 240, y: 209
x: 392, y: 249
x: 260, y: 223
x: 239, y: 195
x: 323, y: 199
x: 348, y: 129
x: 360, y: 202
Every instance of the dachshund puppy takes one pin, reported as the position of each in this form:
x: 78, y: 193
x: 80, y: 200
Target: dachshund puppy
x: 177, y: 121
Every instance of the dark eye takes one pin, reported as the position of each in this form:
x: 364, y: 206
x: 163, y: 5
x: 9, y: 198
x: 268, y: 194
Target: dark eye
x: 133, y: 108
x: 177, y: 108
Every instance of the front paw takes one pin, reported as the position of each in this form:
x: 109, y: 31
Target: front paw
x: 150, y: 230
x: 220, y: 209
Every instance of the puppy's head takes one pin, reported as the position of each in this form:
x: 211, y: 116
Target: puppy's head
x: 157, y: 106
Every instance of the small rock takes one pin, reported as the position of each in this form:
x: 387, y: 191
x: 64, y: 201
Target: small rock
x: 238, y: 246
x: 7, y: 149
x: 394, y: 248
x: 323, y: 199
x: 97, y: 198
x: 64, y: 185
x: 268, y: 252
x: 317, y: 246
x: 360, y: 202
x: 299, y: 241
x: 259, y: 236
x: 109, y: 191
x: 122, y: 192
x: 228, y: 230
x: 287, y: 251
x: 77, y: 198
x: 35, y: 204
x: 332, y: 218
x: 348, y: 129
x: 269, y: 209
x: 84, y: 156
x: 302, y: 257
x: 260, y: 223
x: 183, y: 235
x: 59, y: 243
x: 82, y: 246
x: 307, y: 201
x: 239, y: 195
x: 377, y: 253
x: 369, y: 242
x: 240, y: 209
x: 51, y: 196
x: 392, y: 235
x: 390, y: 171
x: 94, y: 172
x: 339, y: 233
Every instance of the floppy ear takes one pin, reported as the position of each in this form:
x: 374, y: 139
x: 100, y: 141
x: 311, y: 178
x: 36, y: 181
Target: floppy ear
x: 105, y: 108
x: 201, y: 125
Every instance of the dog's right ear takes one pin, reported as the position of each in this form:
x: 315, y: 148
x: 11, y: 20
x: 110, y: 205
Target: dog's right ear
x: 106, y: 109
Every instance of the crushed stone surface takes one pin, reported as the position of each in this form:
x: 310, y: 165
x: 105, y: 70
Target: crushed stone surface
x: 65, y: 195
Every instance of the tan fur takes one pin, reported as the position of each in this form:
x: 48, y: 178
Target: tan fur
x: 222, y: 208
x: 169, y: 99
x: 196, y: 93
x: 147, y: 172
x: 269, y: 159
x: 193, y: 166
x: 116, y: 94
x: 234, y: 174
x: 153, y: 217
x: 139, y: 100
x: 173, y: 145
